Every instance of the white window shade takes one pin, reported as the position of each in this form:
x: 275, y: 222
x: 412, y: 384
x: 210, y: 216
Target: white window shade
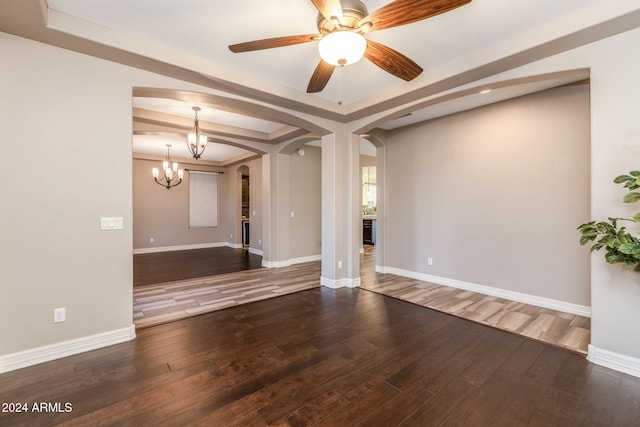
x: 203, y: 199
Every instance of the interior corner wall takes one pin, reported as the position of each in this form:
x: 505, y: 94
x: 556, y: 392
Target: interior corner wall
x: 255, y: 204
x: 494, y: 195
x: 615, y: 97
x: 162, y: 214
x: 69, y: 116
x: 306, y: 196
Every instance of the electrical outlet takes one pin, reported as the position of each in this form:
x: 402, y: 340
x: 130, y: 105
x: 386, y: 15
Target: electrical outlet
x: 429, y: 261
x: 339, y: 264
x: 59, y: 315
x: 151, y: 240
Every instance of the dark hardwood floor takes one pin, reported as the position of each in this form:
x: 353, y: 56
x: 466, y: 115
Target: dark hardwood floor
x: 178, y: 265
x: 324, y: 357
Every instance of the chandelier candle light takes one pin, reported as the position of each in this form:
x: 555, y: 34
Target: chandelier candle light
x: 169, y: 168
x: 196, y: 140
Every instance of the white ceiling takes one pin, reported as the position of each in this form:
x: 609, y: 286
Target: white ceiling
x: 184, y: 109
x: 195, y: 34
x: 205, y: 29
x: 155, y: 144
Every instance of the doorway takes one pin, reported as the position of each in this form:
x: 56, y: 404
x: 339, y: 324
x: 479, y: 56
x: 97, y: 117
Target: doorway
x: 245, y: 203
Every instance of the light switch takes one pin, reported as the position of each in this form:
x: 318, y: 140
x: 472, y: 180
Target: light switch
x: 111, y: 223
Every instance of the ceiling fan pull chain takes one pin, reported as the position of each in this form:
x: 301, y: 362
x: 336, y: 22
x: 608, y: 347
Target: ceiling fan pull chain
x: 340, y: 84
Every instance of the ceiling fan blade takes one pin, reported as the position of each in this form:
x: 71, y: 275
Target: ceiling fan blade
x: 391, y: 61
x: 273, y: 42
x: 329, y: 8
x: 320, y: 77
x: 401, y: 12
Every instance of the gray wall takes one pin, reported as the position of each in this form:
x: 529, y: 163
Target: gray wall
x: 76, y: 112
x: 163, y: 214
x: 494, y: 195
x: 305, y: 196
x: 255, y: 203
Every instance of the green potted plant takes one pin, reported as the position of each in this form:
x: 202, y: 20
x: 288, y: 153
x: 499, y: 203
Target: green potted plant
x: 620, y: 245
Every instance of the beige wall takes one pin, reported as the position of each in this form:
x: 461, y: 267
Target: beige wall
x: 494, y: 195
x: 305, y: 196
x: 367, y: 160
x: 75, y: 111
x: 163, y: 214
x: 234, y: 210
x: 615, y: 149
x: 69, y: 116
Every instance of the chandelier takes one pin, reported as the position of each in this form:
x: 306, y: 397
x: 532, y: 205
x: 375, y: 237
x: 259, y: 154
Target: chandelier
x: 196, y: 140
x: 169, y: 168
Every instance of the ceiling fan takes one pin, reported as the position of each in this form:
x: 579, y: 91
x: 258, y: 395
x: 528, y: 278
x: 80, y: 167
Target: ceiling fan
x: 351, y: 19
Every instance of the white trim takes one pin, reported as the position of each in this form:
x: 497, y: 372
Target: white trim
x: 234, y: 245
x: 538, y: 301
x: 275, y: 264
x: 354, y: 283
x: 302, y: 260
x: 619, y: 362
x: 255, y: 251
x: 339, y: 283
x: 179, y: 248
x: 289, y: 262
x: 34, y: 356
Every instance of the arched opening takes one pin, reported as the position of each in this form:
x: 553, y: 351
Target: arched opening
x: 243, y: 205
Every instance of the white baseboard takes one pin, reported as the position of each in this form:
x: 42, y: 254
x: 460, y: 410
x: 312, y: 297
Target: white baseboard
x: 181, y: 247
x: 339, y: 283
x: 255, y: 251
x: 291, y: 261
x: 552, y: 304
x: 275, y: 264
x: 302, y: 260
x: 34, y: 356
x: 619, y: 362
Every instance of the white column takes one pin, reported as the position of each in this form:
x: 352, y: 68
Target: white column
x: 276, y: 206
x: 341, y: 220
x: 381, y: 259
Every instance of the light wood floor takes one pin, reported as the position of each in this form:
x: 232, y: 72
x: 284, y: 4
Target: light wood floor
x: 165, y: 302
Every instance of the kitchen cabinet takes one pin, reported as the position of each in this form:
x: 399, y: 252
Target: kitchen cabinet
x: 369, y: 231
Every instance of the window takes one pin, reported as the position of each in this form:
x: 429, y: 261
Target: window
x: 203, y: 199
x: 369, y: 190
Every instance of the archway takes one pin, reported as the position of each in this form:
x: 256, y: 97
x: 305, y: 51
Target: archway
x: 243, y: 207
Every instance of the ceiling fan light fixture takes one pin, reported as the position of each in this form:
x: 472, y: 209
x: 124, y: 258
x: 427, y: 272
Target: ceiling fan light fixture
x: 342, y: 47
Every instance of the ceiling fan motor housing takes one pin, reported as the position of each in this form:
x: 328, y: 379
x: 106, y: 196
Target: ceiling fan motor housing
x: 353, y: 11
